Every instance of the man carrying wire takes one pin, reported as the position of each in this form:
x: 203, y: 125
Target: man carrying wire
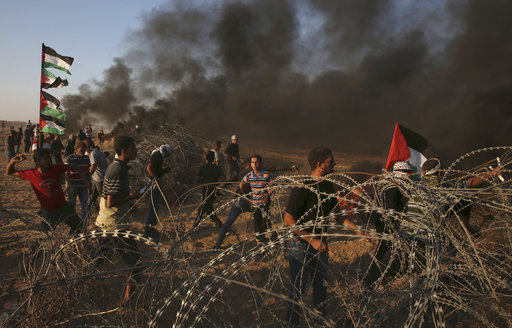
x: 156, y: 171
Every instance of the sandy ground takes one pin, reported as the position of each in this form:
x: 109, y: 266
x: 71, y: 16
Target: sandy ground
x: 18, y: 228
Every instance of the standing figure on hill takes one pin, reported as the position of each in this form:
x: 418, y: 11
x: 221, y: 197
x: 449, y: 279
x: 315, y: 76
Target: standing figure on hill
x: 27, y: 138
x: 258, y: 179
x: 78, y: 179
x: 19, y: 138
x: 97, y: 171
x: 307, y: 213
x: 216, y: 151
x: 56, y: 148
x: 156, y: 171
x: 208, y: 174
x: 81, y: 135
x: 70, y: 145
x: 114, y: 205
x: 232, y: 158
x: 45, y: 180
x: 88, y: 132
x: 101, y: 138
x: 10, y: 145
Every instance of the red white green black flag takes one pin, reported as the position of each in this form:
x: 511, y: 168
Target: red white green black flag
x: 52, y: 118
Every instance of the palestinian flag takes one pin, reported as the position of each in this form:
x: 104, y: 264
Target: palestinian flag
x: 409, y: 146
x: 52, y: 119
x: 48, y: 80
x: 50, y: 127
x: 51, y: 59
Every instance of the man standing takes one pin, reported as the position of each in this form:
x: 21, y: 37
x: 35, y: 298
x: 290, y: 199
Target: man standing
x: 307, y: 213
x: 27, y: 138
x: 96, y: 170
x: 260, y: 197
x: 10, y: 144
x: 216, y: 151
x: 155, y: 171
x: 78, y: 179
x: 56, y: 148
x: 115, y: 203
x: 208, y: 174
x: 45, y: 180
x: 232, y: 158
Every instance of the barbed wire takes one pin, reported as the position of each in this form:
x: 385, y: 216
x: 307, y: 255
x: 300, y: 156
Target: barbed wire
x: 449, y: 274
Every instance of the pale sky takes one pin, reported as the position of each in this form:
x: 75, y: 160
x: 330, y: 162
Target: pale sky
x: 91, y: 31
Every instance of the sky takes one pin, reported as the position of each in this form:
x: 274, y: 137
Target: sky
x: 92, y: 31
x: 305, y: 72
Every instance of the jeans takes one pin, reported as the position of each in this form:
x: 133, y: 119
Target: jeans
x: 206, y: 208
x: 154, y: 203
x: 306, y: 262
x: 83, y: 195
x: 240, y: 206
x: 65, y: 213
x: 97, y: 188
x: 261, y: 220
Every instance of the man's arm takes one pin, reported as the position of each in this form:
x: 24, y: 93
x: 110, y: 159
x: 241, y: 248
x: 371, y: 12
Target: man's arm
x: 149, y: 168
x: 477, y: 181
x: 316, y: 243
x: 112, y: 200
x: 92, y: 168
x: 10, y: 170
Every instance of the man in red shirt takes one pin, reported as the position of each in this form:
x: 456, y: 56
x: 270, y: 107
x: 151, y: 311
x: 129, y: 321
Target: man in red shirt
x: 45, y: 180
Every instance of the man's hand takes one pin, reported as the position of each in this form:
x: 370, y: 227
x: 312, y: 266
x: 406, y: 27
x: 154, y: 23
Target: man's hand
x: 318, y: 245
x: 18, y: 158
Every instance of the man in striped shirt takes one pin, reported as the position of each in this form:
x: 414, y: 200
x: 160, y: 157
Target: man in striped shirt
x: 78, y: 178
x: 260, y: 196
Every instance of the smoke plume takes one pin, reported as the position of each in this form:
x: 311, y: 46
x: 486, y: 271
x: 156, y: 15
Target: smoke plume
x: 304, y: 73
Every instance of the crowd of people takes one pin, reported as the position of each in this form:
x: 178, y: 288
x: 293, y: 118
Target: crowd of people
x: 89, y: 176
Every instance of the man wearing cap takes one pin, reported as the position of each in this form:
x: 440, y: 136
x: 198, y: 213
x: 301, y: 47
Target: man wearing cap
x: 391, y: 198
x: 155, y: 171
x: 232, y: 158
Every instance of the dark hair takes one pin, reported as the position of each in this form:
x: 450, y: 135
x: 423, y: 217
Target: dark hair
x: 258, y: 157
x: 217, y: 143
x: 38, y: 153
x: 122, y: 142
x: 318, y: 155
x: 88, y: 142
x: 209, y: 156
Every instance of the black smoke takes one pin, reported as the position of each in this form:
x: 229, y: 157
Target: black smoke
x: 302, y: 73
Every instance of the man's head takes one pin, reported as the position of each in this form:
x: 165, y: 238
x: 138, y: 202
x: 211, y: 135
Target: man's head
x: 12, y: 133
x: 321, y: 160
x: 125, y: 148
x: 166, y: 150
x: 256, y: 162
x: 42, y: 159
x: 234, y: 139
x: 216, y: 145
x: 209, y: 156
x: 79, y: 148
x: 402, y: 168
x: 89, y: 144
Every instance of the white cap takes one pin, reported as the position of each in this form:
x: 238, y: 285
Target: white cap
x: 166, y: 148
x: 234, y: 137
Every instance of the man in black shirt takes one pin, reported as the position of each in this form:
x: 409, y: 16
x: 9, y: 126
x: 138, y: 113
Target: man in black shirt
x: 156, y: 171
x: 27, y: 138
x: 208, y: 174
x: 10, y: 144
x: 390, y: 198
x: 307, y: 212
x: 232, y: 158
